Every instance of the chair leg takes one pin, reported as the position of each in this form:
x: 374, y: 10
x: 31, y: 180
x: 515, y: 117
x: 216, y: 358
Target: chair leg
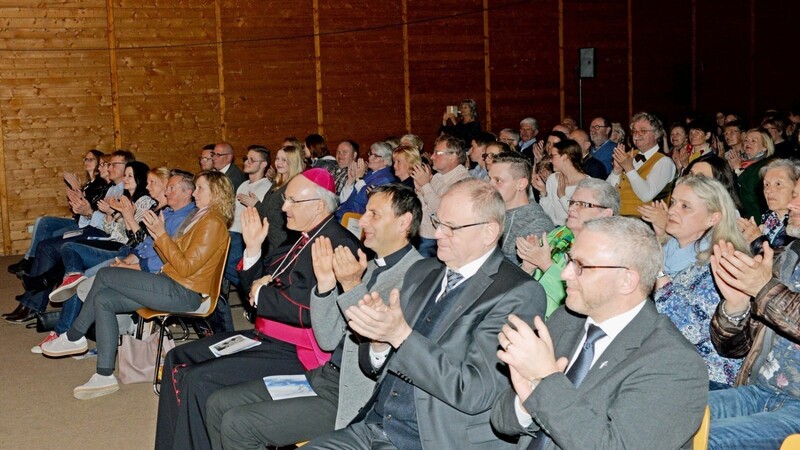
x: 161, y: 331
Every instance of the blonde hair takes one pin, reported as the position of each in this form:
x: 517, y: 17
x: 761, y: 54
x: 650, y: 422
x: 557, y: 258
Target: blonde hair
x: 716, y: 199
x: 409, y: 153
x: 221, y: 190
x: 294, y: 157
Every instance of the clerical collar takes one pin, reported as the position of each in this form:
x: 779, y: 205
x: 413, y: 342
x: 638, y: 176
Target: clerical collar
x: 394, y: 258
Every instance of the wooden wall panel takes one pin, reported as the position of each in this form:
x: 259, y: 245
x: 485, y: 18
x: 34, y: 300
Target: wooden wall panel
x: 775, y: 65
x: 662, y: 51
x: 54, y: 105
x: 445, y: 46
x: 168, y: 84
x: 602, y: 25
x: 363, y: 97
x: 269, y: 71
x: 524, y: 62
x: 723, y: 65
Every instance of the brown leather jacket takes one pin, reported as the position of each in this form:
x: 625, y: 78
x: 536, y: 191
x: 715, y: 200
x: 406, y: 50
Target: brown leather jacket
x: 195, y: 260
x: 774, y: 306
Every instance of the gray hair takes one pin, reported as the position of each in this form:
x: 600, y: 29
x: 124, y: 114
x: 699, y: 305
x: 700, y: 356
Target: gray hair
x: 658, y: 127
x: 641, y: 251
x: 789, y: 165
x: 487, y: 204
x: 383, y: 150
x: 412, y: 140
x: 606, y: 194
x: 616, y: 126
x: 530, y: 121
x: 514, y: 133
x: 328, y: 198
x: 454, y: 145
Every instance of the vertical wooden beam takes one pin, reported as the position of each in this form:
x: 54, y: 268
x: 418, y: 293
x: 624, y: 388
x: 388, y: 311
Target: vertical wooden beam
x: 487, y: 66
x: 223, y: 123
x: 750, y: 61
x: 318, y: 68
x: 561, y: 87
x: 4, y: 193
x: 630, y: 58
x: 112, y: 57
x: 406, y: 73
x: 694, y: 55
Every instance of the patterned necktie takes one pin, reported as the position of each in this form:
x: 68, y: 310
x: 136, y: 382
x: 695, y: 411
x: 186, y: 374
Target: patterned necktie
x: 576, y: 374
x: 453, y: 278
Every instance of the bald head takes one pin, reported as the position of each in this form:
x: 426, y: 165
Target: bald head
x: 582, y: 138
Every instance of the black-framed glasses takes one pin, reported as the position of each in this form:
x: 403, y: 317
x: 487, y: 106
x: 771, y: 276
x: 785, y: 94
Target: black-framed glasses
x: 581, y: 204
x: 598, y: 127
x: 449, y: 230
x: 219, y: 155
x: 580, y: 267
x: 293, y: 201
x: 488, y: 156
x: 374, y: 155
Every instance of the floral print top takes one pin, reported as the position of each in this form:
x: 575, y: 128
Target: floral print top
x: 690, y: 300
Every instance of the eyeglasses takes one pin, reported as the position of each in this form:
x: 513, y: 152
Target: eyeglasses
x: 373, y: 155
x: 292, y: 201
x: 448, y: 230
x: 598, y: 127
x: 446, y: 152
x: 219, y: 155
x: 205, y: 159
x: 488, y: 156
x: 104, y: 164
x: 251, y: 160
x: 641, y: 132
x: 579, y: 268
x: 581, y: 204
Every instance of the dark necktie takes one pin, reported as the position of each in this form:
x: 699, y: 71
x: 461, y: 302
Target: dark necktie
x: 576, y: 374
x: 453, y: 278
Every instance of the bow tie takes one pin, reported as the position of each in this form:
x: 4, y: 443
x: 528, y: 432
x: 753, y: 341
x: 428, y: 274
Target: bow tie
x: 640, y: 157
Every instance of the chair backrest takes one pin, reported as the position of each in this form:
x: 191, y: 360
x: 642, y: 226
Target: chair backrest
x: 700, y: 441
x: 791, y: 443
x: 217, y: 281
x: 350, y: 221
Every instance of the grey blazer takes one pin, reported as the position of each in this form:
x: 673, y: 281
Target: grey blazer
x: 329, y: 326
x: 456, y: 373
x: 648, y: 389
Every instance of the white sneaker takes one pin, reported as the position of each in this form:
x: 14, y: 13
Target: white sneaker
x: 97, y: 386
x: 38, y: 347
x: 61, y: 346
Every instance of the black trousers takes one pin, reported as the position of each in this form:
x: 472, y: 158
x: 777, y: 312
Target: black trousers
x: 246, y: 417
x: 192, y: 373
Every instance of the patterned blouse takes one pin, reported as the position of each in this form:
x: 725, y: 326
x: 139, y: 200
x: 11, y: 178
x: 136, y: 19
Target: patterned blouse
x: 690, y: 300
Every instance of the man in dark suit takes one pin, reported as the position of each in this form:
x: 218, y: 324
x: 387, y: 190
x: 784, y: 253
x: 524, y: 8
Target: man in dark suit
x: 632, y: 380
x: 438, y: 380
x: 223, y: 162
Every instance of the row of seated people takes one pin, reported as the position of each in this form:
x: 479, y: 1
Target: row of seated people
x: 370, y: 318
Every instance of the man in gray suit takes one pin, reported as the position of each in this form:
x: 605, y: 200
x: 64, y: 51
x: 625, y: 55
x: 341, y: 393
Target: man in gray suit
x: 632, y: 380
x: 438, y: 380
x: 245, y: 416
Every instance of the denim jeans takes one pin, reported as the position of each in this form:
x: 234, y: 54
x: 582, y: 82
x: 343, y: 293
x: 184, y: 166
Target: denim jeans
x: 47, y: 227
x: 78, y: 256
x: 118, y: 290
x: 234, y: 256
x: 72, y: 307
x: 751, y: 417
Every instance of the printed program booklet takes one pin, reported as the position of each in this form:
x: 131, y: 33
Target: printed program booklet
x: 233, y: 344
x: 288, y: 386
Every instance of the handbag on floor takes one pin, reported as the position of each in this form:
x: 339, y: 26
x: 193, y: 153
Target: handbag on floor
x: 137, y: 357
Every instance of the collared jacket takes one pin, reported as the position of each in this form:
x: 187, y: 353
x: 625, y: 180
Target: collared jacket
x: 195, y: 259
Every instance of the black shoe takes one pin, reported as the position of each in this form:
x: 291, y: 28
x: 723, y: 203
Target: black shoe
x: 14, y: 312
x: 25, y: 315
x: 23, y: 265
